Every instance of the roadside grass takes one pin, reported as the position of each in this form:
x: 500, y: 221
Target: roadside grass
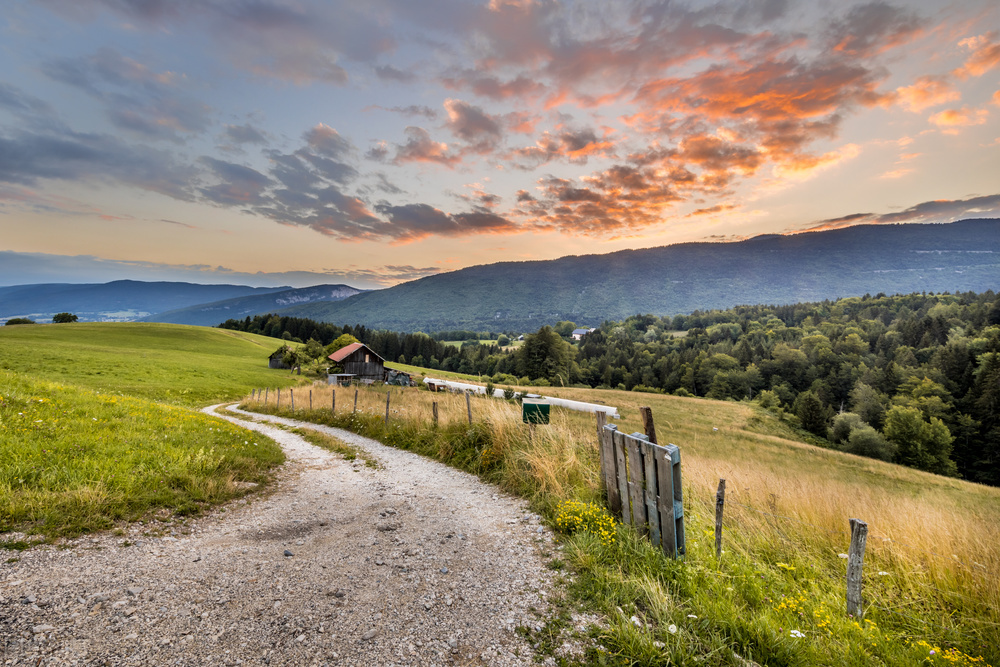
x: 931, y: 571
x: 169, y: 363
x: 75, y: 461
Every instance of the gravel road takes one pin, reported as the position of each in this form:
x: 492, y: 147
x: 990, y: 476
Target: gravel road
x: 414, y: 563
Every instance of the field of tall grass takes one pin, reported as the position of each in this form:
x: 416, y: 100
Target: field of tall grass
x: 776, y: 596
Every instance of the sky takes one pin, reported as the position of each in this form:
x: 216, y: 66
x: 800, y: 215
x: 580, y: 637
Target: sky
x: 297, y: 142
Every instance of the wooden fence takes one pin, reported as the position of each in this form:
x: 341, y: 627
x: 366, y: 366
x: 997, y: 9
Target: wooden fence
x: 643, y: 481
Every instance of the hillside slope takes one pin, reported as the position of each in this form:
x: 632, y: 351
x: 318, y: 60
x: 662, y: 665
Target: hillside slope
x: 211, y: 314
x: 118, y: 300
x: 773, y: 269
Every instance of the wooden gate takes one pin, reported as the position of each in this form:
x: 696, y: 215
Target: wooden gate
x: 643, y: 481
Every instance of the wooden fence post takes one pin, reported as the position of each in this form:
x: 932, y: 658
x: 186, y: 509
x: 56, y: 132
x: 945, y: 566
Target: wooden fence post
x: 434, y: 409
x: 333, y: 401
x: 266, y: 390
x: 278, y: 403
x: 387, y: 395
x: 647, y: 423
x: 855, y: 566
x: 291, y: 393
x: 355, y: 400
x: 310, y: 399
x: 720, y: 501
x: 468, y: 406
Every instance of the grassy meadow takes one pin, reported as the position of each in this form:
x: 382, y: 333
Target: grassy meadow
x: 98, y: 426
x: 169, y: 363
x: 930, y: 568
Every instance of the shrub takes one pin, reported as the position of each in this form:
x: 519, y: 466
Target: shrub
x: 64, y: 318
x: 490, y: 389
x: 508, y: 393
x: 573, y: 516
x: 19, y: 320
x: 681, y: 391
x: 843, y: 425
x: 866, y: 441
x: 768, y: 399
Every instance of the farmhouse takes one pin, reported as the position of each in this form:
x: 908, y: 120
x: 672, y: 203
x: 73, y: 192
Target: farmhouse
x: 360, y: 361
x: 580, y: 333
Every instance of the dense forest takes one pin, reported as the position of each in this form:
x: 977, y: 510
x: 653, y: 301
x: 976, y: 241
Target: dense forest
x: 913, y: 379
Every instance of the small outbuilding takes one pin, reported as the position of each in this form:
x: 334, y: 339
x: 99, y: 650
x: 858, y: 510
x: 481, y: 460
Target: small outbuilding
x: 580, y: 333
x: 277, y: 358
x: 359, y: 360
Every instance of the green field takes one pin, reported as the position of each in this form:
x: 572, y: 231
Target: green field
x: 171, y: 363
x: 98, y: 426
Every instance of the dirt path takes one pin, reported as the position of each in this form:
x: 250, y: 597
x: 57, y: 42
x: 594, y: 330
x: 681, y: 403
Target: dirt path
x: 411, y: 564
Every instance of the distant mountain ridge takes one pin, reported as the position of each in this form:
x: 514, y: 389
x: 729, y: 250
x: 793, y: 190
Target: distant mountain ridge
x: 120, y: 300
x: 770, y: 269
x: 211, y: 314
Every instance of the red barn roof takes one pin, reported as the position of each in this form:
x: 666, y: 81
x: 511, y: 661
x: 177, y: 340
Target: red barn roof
x: 345, y: 352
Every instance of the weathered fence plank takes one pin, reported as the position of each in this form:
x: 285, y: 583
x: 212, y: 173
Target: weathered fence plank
x: 720, y: 502
x: 649, y: 474
x: 610, y: 469
x: 635, y: 493
x: 665, y: 503
x: 855, y: 567
x: 618, y: 439
x: 647, y: 423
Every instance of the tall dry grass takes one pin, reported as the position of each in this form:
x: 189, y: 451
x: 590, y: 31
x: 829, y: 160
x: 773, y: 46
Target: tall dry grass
x: 936, y: 538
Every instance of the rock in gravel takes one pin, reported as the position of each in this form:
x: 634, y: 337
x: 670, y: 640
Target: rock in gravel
x: 369, y: 635
x: 288, y: 553
x: 39, y: 629
x: 135, y: 590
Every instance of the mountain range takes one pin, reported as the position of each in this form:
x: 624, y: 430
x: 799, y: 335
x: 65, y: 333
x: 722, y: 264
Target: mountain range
x: 586, y: 289
x: 772, y: 269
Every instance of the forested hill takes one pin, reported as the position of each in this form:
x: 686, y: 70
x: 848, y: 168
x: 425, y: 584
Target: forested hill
x: 521, y: 296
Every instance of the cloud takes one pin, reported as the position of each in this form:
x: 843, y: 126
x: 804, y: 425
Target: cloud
x: 244, y: 134
x: 391, y: 74
x: 412, y: 222
x: 874, y: 27
x: 936, y: 211
x: 952, y: 119
x: 16, y: 101
x: 927, y: 91
x: 238, y: 185
x: 409, y: 110
x: 59, y: 153
x: 135, y: 97
x: 985, y: 55
x: 478, y: 129
x: 419, y: 147
x: 575, y: 146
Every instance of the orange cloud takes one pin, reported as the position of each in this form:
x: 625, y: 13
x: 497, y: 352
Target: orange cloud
x: 928, y: 91
x: 985, y: 55
x: 952, y: 119
x: 806, y: 166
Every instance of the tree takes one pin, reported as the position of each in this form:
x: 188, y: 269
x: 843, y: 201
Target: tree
x: 503, y: 341
x: 64, y: 318
x: 544, y: 355
x: 564, y: 328
x: 341, y: 341
x: 920, y: 444
x: 811, y: 411
x: 314, y: 349
x: 19, y: 320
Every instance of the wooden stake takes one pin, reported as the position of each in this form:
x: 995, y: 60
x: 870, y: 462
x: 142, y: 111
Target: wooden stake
x: 720, y: 501
x: 387, y: 395
x: 434, y: 409
x: 266, y: 390
x: 355, y: 400
x: 310, y: 399
x: 468, y: 406
x: 647, y: 423
x: 291, y: 392
x: 278, y: 404
x: 855, y: 566
x: 333, y: 401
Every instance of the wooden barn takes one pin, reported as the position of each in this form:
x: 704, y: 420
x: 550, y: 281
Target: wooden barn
x: 359, y: 360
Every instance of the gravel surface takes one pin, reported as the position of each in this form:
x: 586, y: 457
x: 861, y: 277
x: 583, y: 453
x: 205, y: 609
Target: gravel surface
x: 414, y: 563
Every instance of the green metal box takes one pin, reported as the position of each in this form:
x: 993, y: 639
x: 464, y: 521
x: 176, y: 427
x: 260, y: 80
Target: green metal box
x: 534, y: 413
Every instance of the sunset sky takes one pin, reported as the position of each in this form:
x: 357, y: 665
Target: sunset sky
x: 380, y: 141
